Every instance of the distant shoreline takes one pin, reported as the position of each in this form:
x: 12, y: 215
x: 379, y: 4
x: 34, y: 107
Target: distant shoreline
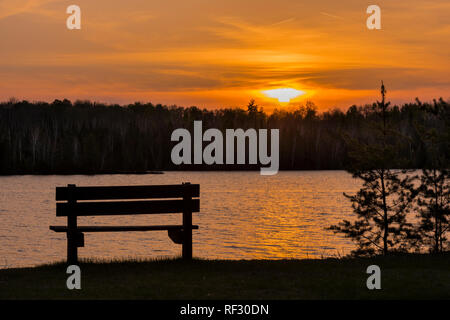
x: 88, y: 173
x: 90, y: 138
x: 84, y: 173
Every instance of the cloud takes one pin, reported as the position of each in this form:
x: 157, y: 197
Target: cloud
x: 220, y: 52
x: 331, y: 15
x: 10, y: 8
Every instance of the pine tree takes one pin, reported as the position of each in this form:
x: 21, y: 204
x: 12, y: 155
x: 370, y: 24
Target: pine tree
x: 433, y: 199
x: 385, y: 197
x: 252, y: 107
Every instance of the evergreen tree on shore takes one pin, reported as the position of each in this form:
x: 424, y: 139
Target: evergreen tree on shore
x: 433, y: 200
x: 386, y: 195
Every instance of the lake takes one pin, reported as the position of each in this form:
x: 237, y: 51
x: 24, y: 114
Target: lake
x: 243, y: 215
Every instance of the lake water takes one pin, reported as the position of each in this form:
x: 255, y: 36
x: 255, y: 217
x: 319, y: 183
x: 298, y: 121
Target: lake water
x: 243, y: 216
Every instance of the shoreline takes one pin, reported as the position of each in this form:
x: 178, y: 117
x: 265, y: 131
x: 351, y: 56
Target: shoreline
x: 410, y: 276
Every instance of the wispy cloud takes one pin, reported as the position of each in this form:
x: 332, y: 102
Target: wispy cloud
x: 13, y: 7
x: 331, y: 15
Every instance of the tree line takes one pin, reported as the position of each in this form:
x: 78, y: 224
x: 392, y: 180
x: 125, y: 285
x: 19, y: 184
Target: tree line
x: 88, y: 137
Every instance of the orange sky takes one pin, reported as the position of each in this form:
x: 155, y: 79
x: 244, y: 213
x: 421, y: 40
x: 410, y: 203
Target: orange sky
x: 223, y: 53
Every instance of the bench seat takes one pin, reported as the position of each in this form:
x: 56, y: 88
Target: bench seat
x: 119, y: 228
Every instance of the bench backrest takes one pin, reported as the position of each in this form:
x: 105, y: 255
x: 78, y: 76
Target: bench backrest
x: 177, y: 199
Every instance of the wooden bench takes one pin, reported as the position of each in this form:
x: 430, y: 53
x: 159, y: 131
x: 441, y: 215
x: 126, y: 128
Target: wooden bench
x: 177, y: 199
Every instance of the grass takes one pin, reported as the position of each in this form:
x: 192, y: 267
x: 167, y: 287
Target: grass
x: 402, y: 277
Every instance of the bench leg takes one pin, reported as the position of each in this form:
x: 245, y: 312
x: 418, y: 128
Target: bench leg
x: 187, y: 225
x: 72, y: 250
x: 187, y: 244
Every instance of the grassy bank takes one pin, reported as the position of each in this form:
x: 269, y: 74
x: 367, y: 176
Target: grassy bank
x: 412, y: 276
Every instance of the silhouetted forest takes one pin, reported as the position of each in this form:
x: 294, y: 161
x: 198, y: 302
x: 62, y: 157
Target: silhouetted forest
x: 87, y: 137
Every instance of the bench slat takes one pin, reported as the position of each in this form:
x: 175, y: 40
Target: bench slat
x: 119, y: 228
x: 124, y: 207
x: 128, y: 192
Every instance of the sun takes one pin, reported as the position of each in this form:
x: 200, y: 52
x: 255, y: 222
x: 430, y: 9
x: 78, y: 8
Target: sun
x: 283, y: 94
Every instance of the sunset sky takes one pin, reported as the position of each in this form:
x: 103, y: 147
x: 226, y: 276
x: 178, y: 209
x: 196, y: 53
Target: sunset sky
x: 223, y: 53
